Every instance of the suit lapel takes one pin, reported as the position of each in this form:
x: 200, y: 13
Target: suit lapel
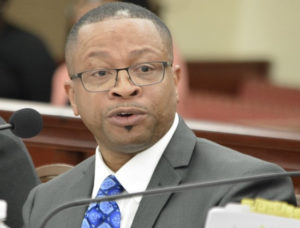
x: 151, y: 206
x: 81, y: 189
x: 177, y: 154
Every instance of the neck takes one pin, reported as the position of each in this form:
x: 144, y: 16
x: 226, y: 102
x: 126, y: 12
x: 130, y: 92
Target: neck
x: 116, y: 160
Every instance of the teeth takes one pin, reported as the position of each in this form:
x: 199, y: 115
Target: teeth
x: 124, y: 114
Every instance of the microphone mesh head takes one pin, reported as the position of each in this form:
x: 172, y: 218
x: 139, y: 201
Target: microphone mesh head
x: 26, y: 123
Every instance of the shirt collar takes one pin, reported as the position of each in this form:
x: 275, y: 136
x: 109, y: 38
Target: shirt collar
x: 135, y: 175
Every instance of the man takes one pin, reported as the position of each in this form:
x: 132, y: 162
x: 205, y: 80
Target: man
x: 17, y: 175
x: 123, y: 86
x: 26, y: 67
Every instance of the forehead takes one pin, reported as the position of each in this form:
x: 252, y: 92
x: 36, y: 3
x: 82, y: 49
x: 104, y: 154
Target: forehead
x: 120, y: 30
x: 118, y: 37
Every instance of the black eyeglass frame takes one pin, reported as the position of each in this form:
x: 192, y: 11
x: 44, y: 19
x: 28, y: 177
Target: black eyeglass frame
x: 164, y: 63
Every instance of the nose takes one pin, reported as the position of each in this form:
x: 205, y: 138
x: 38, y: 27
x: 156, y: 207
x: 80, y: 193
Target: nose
x: 124, y: 87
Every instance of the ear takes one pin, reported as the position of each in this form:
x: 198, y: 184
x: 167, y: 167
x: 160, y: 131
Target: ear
x: 70, y: 91
x: 177, y: 77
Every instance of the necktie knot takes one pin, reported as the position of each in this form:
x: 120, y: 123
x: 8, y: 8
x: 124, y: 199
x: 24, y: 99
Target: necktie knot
x: 110, y: 186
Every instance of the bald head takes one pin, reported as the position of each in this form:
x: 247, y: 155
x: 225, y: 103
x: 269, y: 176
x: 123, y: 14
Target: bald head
x: 118, y: 10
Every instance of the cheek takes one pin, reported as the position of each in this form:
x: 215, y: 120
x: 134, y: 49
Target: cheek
x: 88, y: 106
x: 91, y: 113
x: 165, y: 100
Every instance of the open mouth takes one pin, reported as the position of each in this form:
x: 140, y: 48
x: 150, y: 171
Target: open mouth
x: 124, y: 114
x: 127, y: 116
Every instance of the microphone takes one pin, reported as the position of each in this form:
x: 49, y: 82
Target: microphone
x: 158, y: 191
x: 24, y: 123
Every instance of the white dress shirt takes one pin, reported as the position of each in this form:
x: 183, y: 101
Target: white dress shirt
x: 134, y: 176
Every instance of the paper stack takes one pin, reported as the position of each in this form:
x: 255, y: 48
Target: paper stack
x: 257, y: 213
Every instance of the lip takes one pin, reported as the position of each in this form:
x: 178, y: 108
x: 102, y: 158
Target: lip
x: 126, y: 116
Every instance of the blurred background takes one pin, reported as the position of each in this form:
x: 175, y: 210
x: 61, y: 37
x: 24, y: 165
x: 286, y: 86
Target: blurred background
x: 203, y: 29
x: 242, y: 56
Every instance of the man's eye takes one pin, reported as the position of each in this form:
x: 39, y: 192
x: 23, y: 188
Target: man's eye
x: 101, y: 73
x: 144, y: 68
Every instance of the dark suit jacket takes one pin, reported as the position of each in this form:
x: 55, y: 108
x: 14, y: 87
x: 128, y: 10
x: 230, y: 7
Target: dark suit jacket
x: 17, y: 175
x: 186, y: 159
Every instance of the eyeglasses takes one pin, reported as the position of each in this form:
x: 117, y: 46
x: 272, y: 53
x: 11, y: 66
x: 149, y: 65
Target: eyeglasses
x: 142, y: 74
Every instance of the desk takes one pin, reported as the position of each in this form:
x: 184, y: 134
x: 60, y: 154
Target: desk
x: 64, y: 138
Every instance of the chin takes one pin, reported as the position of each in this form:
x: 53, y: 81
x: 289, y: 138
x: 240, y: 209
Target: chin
x: 132, y: 146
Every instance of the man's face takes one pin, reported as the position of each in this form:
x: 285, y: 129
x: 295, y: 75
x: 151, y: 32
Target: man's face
x: 150, y: 110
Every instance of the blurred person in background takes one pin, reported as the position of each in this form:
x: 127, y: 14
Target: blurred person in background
x: 77, y: 10
x: 26, y: 67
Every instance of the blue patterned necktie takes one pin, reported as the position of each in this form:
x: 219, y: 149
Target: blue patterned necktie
x: 104, y: 214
